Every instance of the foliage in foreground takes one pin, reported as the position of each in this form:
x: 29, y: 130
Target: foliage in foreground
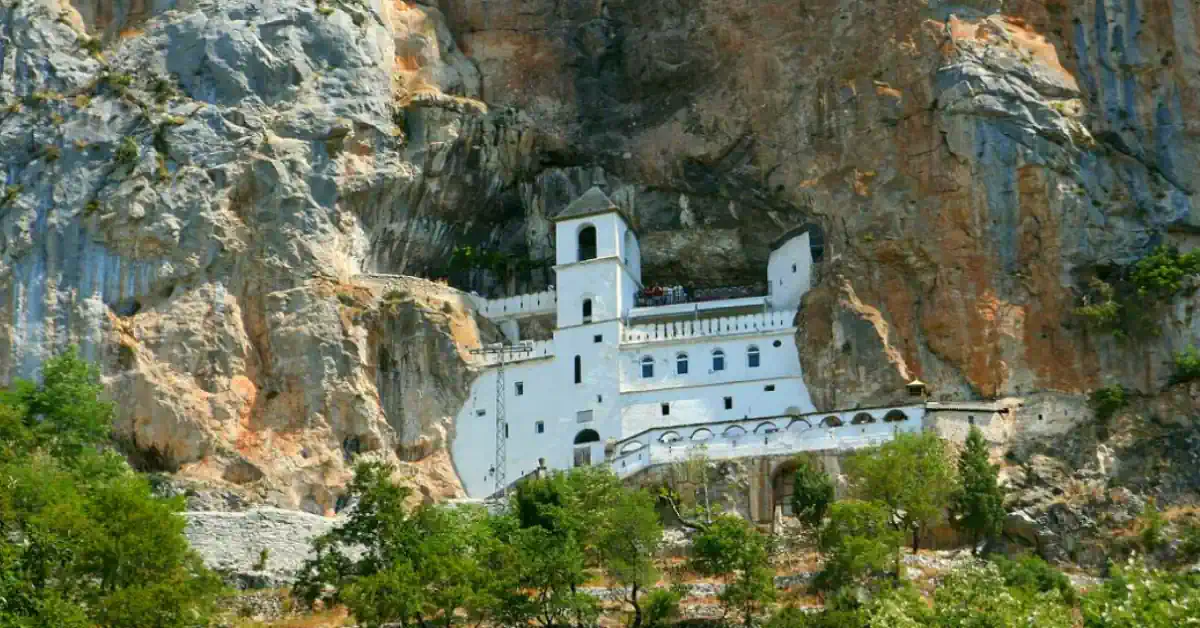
x: 86, y: 542
x: 438, y: 564
x: 812, y: 493
x: 911, y: 475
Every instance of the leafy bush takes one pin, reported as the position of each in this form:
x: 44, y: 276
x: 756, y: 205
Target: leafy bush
x: 858, y: 542
x: 1187, y: 366
x: 127, y: 153
x: 1033, y: 574
x: 1163, y: 272
x: 812, y: 493
x: 978, y: 596
x: 10, y: 195
x: 1100, y: 309
x: 662, y: 606
x: 1105, y: 402
x: 1137, y: 597
x: 1152, y: 526
x: 739, y: 554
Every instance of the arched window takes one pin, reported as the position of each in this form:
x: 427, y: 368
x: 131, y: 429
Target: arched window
x: 647, y: 366
x: 587, y: 310
x: 578, y: 370
x: 587, y: 243
x: 862, y: 418
x: 752, y: 357
x: 895, y: 416
x: 718, y: 360
x: 681, y: 365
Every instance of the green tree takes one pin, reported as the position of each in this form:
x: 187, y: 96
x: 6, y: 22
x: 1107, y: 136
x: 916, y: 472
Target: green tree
x: 388, y: 564
x: 64, y: 414
x: 979, y: 505
x: 911, y: 475
x: 733, y: 550
x: 627, y: 543
x: 858, y: 542
x: 87, y: 541
x: 812, y: 493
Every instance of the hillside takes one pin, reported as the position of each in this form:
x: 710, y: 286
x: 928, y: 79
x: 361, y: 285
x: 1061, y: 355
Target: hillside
x: 194, y: 188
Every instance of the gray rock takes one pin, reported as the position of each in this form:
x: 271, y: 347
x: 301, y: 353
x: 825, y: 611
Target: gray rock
x: 233, y: 543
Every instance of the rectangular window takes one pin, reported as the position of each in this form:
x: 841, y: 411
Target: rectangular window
x: 539, y: 427
x: 480, y: 412
x: 506, y: 430
x: 769, y: 388
x: 598, y: 338
x: 520, y: 388
x: 583, y: 416
x: 666, y: 409
x: 729, y: 403
x: 599, y: 398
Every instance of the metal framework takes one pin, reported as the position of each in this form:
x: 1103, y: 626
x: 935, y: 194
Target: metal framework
x: 502, y: 353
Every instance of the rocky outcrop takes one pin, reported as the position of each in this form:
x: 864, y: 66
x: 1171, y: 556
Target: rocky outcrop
x: 192, y: 187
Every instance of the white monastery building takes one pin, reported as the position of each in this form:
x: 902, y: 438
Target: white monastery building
x: 636, y: 376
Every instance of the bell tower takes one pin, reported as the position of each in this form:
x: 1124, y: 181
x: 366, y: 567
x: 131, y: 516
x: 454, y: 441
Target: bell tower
x: 598, y: 264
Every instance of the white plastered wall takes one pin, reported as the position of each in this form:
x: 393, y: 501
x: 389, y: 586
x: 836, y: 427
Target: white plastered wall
x: 789, y: 272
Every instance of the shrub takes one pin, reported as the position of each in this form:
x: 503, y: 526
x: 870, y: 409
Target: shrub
x: 1137, y: 597
x: 1100, y: 310
x: 1187, y: 366
x: 127, y: 153
x: 10, y: 195
x: 812, y: 494
x: 1189, y: 546
x: 662, y: 606
x: 1033, y: 574
x: 1152, y: 526
x: 92, y: 44
x: 1105, y: 402
x: 52, y: 153
x: 858, y: 542
x: 1163, y: 272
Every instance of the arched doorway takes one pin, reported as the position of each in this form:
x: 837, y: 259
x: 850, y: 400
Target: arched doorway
x: 587, y: 243
x: 583, y: 446
x: 783, y: 483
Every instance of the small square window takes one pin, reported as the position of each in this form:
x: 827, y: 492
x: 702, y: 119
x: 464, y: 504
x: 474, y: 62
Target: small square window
x: 666, y: 409
x: 729, y: 403
x: 480, y: 412
x: 769, y: 388
x: 520, y: 386
x: 539, y: 427
x: 583, y: 416
x: 598, y: 338
x: 599, y: 398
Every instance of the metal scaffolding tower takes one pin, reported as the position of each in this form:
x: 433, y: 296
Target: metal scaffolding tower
x: 502, y: 352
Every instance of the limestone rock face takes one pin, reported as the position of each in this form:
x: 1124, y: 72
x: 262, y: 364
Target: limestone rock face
x: 193, y: 186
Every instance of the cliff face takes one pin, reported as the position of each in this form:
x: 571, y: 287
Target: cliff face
x: 193, y: 186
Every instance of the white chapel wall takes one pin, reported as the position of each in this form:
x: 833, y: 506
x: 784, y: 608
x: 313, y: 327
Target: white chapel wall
x: 789, y: 272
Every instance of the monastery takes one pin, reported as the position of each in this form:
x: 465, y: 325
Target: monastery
x: 634, y: 377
